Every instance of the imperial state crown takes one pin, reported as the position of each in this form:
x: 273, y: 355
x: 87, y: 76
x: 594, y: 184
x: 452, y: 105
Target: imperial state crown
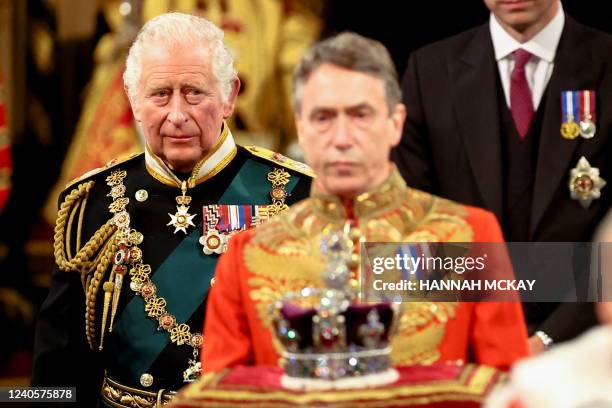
x: 330, y: 340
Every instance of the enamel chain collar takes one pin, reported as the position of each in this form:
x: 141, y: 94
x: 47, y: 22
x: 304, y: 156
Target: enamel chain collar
x: 129, y: 256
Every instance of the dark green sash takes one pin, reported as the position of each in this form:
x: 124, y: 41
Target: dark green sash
x: 182, y: 279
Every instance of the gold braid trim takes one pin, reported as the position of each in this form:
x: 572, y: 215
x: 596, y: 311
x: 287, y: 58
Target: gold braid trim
x: 105, y: 260
x: 68, y: 246
x: 96, y: 255
x: 61, y: 232
x: 81, y: 214
x: 82, y: 260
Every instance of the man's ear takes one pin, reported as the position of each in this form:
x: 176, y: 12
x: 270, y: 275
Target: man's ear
x: 398, y: 116
x: 228, y: 107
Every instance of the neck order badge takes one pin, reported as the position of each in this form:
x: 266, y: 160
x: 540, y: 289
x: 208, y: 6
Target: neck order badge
x: 182, y: 220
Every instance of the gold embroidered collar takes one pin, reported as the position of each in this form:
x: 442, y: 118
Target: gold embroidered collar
x: 219, y: 156
x: 390, y: 194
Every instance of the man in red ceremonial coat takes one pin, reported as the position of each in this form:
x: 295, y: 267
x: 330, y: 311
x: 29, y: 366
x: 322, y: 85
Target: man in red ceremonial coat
x: 349, y: 116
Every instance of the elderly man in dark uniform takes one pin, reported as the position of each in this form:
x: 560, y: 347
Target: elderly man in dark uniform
x: 514, y: 116
x: 136, y: 242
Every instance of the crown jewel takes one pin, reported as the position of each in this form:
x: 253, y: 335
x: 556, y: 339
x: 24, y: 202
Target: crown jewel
x: 329, y: 338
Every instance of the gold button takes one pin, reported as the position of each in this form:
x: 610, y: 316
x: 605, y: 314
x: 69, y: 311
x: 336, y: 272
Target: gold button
x: 212, y: 282
x: 142, y: 195
x: 136, y: 237
x: 146, y: 380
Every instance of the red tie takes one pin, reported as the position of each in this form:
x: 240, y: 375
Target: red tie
x: 521, y: 104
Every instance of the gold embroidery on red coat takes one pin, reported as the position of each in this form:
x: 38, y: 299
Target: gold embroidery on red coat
x: 284, y: 255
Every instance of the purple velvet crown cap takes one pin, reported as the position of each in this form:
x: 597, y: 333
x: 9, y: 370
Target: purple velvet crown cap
x: 300, y: 320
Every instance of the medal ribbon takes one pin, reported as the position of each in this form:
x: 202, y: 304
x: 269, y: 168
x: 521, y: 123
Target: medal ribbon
x: 233, y: 217
x: 569, y: 106
x: 223, y: 224
x: 259, y: 213
x: 210, y: 217
x: 245, y: 215
x: 587, y: 105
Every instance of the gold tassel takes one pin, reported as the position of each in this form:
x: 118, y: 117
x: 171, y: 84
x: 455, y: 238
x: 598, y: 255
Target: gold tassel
x: 116, y: 294
x: 108, y: 291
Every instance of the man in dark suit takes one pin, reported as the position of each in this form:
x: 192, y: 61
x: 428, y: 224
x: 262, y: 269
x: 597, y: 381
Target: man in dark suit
x: 483, y: 128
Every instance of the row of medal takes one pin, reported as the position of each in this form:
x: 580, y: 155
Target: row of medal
x: 220, y: 221
x: 578, y: 119
x: 578, y: 105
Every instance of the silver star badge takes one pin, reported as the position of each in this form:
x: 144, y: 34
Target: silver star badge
x: 181, y: 220
x: 585, y: 183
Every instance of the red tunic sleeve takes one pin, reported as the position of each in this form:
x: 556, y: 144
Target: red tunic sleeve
x: 227, y: 338
x: 499, y: 334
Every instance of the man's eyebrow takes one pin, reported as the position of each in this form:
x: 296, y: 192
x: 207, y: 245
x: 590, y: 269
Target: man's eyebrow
x: 322, y: 109
x: 192, y: 85
x: 359, y: 106
x: 156, y: 88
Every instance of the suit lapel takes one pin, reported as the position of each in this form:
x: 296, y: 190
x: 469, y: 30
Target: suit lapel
x: 573, y: 70
x: 475, y: 75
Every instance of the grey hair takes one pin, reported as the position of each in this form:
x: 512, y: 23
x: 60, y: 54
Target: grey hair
x: 354, y: 52
x: 179, y: 28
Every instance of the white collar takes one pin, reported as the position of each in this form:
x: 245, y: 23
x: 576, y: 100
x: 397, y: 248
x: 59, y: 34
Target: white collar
x: 543, y: 45
x: 219, y: 156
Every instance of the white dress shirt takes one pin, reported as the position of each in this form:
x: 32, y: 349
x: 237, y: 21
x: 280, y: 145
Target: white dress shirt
x: 542, y: 46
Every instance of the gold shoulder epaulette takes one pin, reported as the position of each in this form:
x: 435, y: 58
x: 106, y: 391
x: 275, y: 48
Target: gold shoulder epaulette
x: 112, y: 163
x: 281, y: 160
